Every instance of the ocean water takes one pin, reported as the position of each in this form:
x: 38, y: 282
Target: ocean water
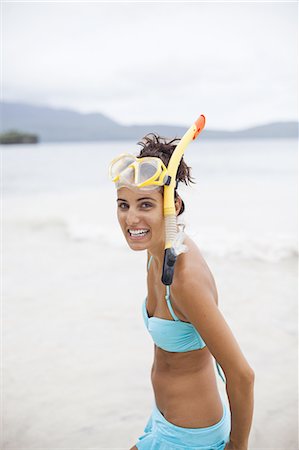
x: 243, y: 205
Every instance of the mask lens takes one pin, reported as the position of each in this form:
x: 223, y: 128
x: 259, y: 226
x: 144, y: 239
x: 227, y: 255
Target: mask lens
x: 127, y: 175
x: 120, y: 165
x: 147, y: 170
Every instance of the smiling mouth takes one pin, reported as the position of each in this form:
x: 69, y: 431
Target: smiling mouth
x: 137, y: 234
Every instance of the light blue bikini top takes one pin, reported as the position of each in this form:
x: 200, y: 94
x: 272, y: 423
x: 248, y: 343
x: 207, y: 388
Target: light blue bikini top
x: 172, y: 335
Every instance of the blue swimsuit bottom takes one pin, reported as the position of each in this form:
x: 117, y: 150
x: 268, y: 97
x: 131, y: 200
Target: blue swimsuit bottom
x: 159, y: 434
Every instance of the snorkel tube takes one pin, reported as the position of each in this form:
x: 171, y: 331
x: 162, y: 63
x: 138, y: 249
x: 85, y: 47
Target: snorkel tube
x: 170, y: 255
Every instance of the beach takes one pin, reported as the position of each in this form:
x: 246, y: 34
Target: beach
x: 76, y: 356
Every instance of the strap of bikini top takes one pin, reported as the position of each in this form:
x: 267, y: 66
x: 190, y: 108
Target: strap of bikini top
x: 167, y: 296
x: 149, y: 262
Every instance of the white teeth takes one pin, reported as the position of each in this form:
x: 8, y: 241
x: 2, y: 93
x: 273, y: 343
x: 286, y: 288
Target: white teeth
x: 137, y: 232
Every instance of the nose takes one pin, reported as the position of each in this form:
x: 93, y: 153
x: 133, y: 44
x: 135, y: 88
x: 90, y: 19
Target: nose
x: 132, y: 217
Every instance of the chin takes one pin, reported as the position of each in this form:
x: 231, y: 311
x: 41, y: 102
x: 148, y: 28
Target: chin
x: 138, y: 249
x: 138, y: 244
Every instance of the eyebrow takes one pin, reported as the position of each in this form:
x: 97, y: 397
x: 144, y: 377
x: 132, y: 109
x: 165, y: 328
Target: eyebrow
x: 138, y: 200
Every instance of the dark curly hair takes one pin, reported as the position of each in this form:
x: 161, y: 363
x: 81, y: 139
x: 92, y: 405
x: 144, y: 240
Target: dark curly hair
x: 154, y: 145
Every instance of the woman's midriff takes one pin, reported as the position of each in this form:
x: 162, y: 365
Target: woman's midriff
x: 185, y: 388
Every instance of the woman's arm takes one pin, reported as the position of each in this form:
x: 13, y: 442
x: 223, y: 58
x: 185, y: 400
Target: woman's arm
x: 195, y: 296
x: 240, y: 395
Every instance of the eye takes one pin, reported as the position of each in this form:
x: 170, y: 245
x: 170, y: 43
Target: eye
x: 146, y: 204
x: 122, y: 205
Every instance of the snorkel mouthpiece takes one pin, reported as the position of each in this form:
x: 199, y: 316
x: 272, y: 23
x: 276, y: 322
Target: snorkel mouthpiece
x: 168, y: 266
x: 169, y: 208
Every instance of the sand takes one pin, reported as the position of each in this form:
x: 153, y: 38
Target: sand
x: 76, y: 356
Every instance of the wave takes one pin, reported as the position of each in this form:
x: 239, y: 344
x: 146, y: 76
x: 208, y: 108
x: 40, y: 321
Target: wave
x: 72, y: 230
x: 270, y: 248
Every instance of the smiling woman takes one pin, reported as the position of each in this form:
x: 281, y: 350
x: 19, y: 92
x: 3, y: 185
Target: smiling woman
x: 186, y: 325
x: 141, y: 218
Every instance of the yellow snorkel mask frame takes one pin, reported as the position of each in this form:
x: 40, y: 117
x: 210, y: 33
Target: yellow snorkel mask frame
x: 151, y: 173
x: 128, y: 170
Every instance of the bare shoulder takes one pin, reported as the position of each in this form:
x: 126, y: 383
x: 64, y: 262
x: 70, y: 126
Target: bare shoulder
x: 195, y: 294
x: 192, y: 266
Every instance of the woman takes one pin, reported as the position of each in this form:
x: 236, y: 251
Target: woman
x: 186, y: 325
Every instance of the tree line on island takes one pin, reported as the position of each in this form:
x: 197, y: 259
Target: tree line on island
x: 18, y: 137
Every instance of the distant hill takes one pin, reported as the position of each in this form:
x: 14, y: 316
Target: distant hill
x: 62, y: 125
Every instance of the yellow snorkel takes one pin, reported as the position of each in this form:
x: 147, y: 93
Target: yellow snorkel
x: 169, y: 207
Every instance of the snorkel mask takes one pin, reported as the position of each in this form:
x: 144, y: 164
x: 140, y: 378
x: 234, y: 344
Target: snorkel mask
x: 142, y: 173
x: 150, y: 173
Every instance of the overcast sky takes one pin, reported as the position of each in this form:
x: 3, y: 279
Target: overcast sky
x: 149, y: 62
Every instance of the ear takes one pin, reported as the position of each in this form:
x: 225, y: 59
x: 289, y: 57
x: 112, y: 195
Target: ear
x: 178, y: 205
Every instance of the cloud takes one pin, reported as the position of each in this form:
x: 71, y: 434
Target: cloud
x: 154, y: 62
